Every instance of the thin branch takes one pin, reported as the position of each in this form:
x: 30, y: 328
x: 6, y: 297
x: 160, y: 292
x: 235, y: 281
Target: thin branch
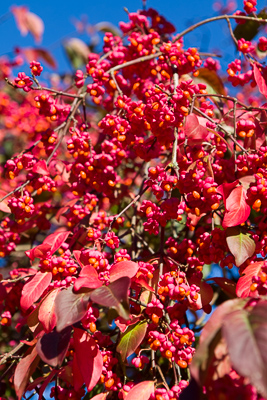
x: 218, y: 18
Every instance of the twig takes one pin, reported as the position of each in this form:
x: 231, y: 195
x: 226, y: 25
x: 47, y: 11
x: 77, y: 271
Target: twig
x: 218, y: 18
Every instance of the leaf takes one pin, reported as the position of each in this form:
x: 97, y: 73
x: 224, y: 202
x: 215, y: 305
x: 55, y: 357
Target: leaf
x: 245, y: 281
x: 89, y: 358
x: 88, y: 278
x: 40, y: 168
x: 210, y: 337
x: 114, y: 295
x: 38, y: 251
x: 194, y: 131
x: 28, y: 22
x: 205, y: 293
x: 46, y: 382
x: 77, y: 52
x: 70, y: 307
x: 250, y: 28
x: 141, y: 391
x: 241, y: 245
x: 47, y: 315
x: 237, y: 210
x: 212, y: 80
x: 226, y: 188
x: 123, y: 268
x: 227, y: 286
x: 39, y: 54
x: 248, y: 354
x: 34, y: 289
x: 56, y: 239
x: 261, y: 82
x: 53, y: 346
x: 23, y: 372
x: 3, y: 204
x: 100, y: 396
x: 131, y: 339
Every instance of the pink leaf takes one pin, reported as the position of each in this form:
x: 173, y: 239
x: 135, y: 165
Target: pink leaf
x: 89, y: 358
x: 40, y: 168
x: 70, y: 307
x: 237, y: 210
x: 33, y: 289
x: 141, y: 391
x: 56, y: 239
x: 28, y: 22
x: 194, y: 131
x: 39, y: 54
x: 3, y: 204
x: 77, y: 255
x: 23, y: 372
x: 88, y: 279
x: 47, y: 315
x: 249, y: 354
x: 244, y: 282
x: 261, y: 82
x: 101, y: 396
x: 123, y: 268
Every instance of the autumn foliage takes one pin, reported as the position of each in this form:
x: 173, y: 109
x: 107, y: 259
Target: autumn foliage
x: 133, y: 231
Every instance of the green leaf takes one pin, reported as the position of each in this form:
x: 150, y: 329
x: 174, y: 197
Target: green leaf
x: 250, y: 28
x: 131, y: 339
x: 240, y: 245
x: 77, y: 52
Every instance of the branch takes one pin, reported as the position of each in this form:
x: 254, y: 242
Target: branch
x: 218, y: 18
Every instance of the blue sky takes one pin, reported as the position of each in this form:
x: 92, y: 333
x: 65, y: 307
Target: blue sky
x: 57, y: 17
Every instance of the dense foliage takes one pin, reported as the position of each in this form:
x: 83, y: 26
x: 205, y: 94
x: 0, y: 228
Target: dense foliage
x: 122, y: 188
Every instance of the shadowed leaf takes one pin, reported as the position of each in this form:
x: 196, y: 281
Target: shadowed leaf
x: 53, y: 346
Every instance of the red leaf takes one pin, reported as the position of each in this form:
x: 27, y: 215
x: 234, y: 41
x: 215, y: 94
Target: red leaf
x: 56, y: 239
x: 226, y: 188
x: 28, y: 22
x: 260, y: 80
x: 53, y: 346
x: 70, y: 307
x: 194, y: 131
x: 89, y: 358
x: 205, y: 293
x: 142, y: 391
x: 227, y: 286
x: 123, y: 268
x: 88, y: 278
x: 244, y: 283
x: 237, y: 210
x: 46, y: 382
x: 114, y: 295
x: 23, y: 372
x: 34, y: 289
x: 38, y: 251
x: 40, y: 168
x: 47, y: 315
